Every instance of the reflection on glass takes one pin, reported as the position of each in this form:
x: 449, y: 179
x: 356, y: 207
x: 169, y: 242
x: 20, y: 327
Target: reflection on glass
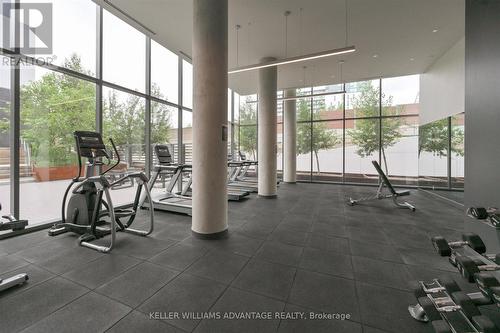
x: 457, y: 150
x: 399, y: 149
x: 433, y: 144
x: 53, y: 106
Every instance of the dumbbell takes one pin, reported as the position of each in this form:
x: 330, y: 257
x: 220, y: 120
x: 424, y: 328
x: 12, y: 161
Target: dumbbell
x: 460, y: 302
x: 491, y: 214
x: 443, y: 247
x: 482, y: 323
x: 437, y: 289
x: 468, y: 267
x: 447, y: 284
x: 489, y: 286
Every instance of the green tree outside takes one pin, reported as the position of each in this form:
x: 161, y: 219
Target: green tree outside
x: 56, y: 105
x: 322, y: 138
x: 433, y: 138
x: 51, y: 109
x: 366, y: 133
x: 248, y: 129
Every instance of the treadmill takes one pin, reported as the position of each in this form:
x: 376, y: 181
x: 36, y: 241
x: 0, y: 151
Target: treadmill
x: 234, y: 183
x: 233, y: 194
x: 167, y: 200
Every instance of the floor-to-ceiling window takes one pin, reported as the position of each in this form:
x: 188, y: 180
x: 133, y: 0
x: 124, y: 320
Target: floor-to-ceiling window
x: 123, y: 47
x: 164, y: 127
x: 187, y: 136
x: 327, y: 133
x: 303, y: 137
x: 187, y: 84
x: 96, y: 78
x: 341, y: 129
x: 248, y: 127
x: 279, y: 131
x: 362, y: 131
x: 399, y: 144
x: 53, y: 106
x: 457, y: 130
x: 5, y: 147
x: 433, y: 151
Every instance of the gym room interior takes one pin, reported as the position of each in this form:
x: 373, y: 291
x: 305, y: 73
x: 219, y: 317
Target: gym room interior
x: 250, y: 166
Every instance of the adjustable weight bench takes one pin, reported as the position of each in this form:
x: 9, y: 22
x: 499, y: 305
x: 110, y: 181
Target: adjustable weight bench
x: 393, y: 194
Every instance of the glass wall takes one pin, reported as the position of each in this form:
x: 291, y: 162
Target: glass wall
x: 441, y: 153
x: 123, y: 47
x: 74, y: 34
x: 164, y: 73
x: 400, y: 109
x: 164, y: 126
x: 248, y: 127
x: 187, y: 136
x: 187, y: 84
x: 433, y: 154
x: 53, y: 106
x: 457, y: 124
x: 303, y: 138
x: 340, y: 133
x: 65, y: 93
x: 5, y: 151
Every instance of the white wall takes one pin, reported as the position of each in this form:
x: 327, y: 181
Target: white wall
x: 442, y: 86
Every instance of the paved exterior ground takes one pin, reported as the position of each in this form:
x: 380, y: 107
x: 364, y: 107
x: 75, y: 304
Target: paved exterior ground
x: 304, y: 252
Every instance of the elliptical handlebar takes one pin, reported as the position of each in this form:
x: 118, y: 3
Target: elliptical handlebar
x: 115, y: 150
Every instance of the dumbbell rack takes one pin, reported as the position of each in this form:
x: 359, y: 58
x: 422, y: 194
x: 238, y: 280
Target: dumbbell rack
x: 470, y: 258
x: 448, y: 308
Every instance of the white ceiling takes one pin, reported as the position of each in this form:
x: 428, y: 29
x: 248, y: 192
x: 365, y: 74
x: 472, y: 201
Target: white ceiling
x: 400, y: 32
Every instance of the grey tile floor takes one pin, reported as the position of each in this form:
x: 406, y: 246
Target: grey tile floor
x: 306, y: 251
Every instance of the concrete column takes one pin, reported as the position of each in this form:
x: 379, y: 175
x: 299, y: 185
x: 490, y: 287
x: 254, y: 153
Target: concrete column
x: 267, y: 130
x: 210, y: 19
x: 290, y: 138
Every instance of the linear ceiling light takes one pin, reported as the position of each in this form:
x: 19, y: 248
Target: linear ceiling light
x: 291, y: 98
x: 292, y: 60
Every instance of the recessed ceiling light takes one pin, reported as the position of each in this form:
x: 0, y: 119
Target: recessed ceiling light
x: 435, y: 30
x: 412, y: 59
x: 375, y: 55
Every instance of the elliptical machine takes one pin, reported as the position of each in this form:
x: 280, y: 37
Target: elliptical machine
x: 87, y: 213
